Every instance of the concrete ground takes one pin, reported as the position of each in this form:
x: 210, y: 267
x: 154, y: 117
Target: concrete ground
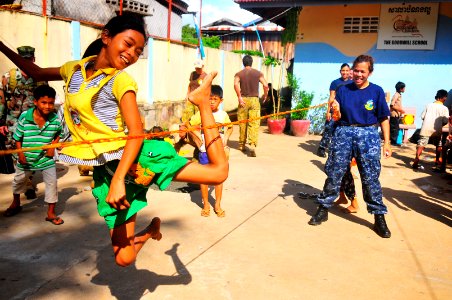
x: 262, y: 249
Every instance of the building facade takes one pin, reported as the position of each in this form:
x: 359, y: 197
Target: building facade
x: 154, y: 12
x: 410, y: 42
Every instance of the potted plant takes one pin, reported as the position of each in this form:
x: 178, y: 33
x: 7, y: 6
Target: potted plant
x: 301, y: 101
x: 277, y: 123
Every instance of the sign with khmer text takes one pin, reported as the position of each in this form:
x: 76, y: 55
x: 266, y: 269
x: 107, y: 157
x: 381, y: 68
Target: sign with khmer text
x: 408, y: 26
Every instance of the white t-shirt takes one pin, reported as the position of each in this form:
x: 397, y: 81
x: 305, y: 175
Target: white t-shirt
x: 220, y: 117
x: 433, y: 118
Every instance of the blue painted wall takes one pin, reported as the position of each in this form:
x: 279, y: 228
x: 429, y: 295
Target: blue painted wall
x: 423, y: 72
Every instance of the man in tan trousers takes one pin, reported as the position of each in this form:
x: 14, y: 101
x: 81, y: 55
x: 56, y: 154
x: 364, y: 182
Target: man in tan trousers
x: 246, y: 86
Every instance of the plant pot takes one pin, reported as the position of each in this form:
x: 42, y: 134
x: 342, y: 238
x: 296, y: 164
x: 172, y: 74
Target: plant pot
x: 300, y: 127
x: 276, y: 126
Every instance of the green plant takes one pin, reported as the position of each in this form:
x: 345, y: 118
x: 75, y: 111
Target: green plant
x: 300, y: 99
x: 317, y: 117
x: 248, y: 52
x: 268, y: 61
x: 189, y: 36
x: 289, y: 35
x: 211, y: 41
x: 271, y: 61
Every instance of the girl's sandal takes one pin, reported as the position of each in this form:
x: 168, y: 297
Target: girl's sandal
x: 205, y: 212
x: 220, y: 213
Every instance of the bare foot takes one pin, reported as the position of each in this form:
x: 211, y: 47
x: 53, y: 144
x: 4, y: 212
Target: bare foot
x: 353, y: 208
x: 350, y: 209
x: 342, y: 199
x: 202, y: 93
x: 154, y: 229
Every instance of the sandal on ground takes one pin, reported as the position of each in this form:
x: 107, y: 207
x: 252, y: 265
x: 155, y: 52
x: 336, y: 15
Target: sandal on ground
x: 438, y: 169
x: 417, y: 167
x: 55, y: 221
x: 205, y: 212
x: 220, y: 213
x: 12, y: 211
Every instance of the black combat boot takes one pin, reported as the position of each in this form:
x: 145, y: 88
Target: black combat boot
x: 320, y: 216
x: 380, y: 226
x: 321, y: 152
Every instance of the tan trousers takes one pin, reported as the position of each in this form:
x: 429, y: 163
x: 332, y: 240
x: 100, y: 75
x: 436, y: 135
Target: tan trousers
x: 249, y: 131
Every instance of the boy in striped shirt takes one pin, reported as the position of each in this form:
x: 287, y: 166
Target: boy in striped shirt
x: 37, y: 127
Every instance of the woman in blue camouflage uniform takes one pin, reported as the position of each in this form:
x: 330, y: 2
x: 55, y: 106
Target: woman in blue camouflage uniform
x: 362, y: 107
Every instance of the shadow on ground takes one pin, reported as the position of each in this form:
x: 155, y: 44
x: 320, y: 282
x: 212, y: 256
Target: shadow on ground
x: 291, y: 188
x: 310, y: 145
x: 131, y: 283
x: 436, y: 205
x: 30, y: 260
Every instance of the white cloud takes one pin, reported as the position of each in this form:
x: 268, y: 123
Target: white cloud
x: 213, y: 10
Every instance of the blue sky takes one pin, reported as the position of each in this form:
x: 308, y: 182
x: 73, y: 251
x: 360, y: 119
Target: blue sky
x: 213, y: 10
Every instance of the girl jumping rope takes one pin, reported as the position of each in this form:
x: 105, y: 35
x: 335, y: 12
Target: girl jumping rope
x: 101, y: 97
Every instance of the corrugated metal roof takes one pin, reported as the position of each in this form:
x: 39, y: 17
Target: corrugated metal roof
x: 241, y: 28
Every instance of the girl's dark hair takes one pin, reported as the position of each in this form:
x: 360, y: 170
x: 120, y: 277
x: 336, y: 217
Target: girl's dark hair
x: 344, y: 65
x: 216, y: 90
x: 365, y: 58
x: 125, y: 22
x: 399, y: 86
x: 441, y: 94
x: 44, y: 90
x: 93, y: 48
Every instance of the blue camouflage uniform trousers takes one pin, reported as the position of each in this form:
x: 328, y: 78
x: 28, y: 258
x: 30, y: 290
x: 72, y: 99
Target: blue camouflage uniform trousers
x: 363, y: 143
x: 327, y: 135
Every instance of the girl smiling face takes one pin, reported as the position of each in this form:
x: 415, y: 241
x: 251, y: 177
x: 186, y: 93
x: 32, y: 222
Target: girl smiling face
x: 123, y: 49
x: 344, y: 72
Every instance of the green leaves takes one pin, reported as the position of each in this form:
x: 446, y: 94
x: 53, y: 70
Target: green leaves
x: 300, y: 99
x: 189, y: 36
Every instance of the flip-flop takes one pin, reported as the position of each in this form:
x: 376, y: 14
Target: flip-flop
x: 220, y: 213
x: 55, y: 221
x: 9, y: 212
x: 205, y: 212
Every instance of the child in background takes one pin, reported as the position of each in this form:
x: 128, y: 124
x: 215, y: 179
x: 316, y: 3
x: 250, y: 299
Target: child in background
x: 37, y: 127
x: 221, y: 117
x: 434, y: 117
x: 447, y: 148
x: 100, y: 102
x: 396, y: 112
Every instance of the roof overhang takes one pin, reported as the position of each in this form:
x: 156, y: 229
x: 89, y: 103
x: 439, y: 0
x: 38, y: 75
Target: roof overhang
x: 274, y: 10
x: 177, y: 6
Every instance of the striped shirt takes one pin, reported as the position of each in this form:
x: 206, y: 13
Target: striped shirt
x: 29, y: 133
x: 92, y: 111
x: 105, y: 104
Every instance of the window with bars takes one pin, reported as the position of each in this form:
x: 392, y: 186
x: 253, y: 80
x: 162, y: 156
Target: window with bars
x: 134, y: 6
x: 361, y: 24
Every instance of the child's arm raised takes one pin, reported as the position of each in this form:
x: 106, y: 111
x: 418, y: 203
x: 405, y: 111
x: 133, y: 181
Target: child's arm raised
x: 217, y: 170
x: 29, y: 67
